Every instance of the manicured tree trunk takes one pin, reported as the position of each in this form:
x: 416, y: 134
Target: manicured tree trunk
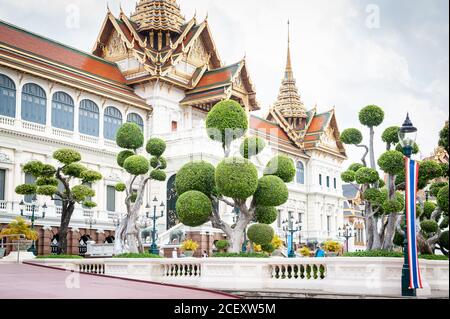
x: 372, y: 150
x: 66, y: 215
x: 376, y: 235
x: 388, y: 232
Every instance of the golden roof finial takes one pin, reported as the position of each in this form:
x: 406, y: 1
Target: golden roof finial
x: 289, y: 74
x: 107, y: 7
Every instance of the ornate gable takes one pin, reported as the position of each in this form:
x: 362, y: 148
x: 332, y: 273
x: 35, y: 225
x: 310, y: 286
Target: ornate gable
x: 198, y: 54
x: 114, y: 49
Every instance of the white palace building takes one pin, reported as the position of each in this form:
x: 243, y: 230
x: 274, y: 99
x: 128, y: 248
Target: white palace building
x: 164, y: 73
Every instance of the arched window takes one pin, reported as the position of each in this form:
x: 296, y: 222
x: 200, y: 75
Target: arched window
x: 136, y: 118
x: 62, y: 111
x: 112, y: 122
x: 89, y: 118
x: 7, y: 96
x: 300, y: 173
x: 34, y: 103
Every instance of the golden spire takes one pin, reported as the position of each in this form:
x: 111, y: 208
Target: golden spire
x: 161, y: 15
x: 289, y: 103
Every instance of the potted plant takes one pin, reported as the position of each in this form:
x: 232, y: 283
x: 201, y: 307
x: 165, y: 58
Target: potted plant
x: 305, y: 251
x: 222, y: 245
x: 189, y: 247
x: 19, y: 226
x: 332, y: 248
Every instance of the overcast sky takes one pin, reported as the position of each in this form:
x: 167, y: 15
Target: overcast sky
x: 346, y: 53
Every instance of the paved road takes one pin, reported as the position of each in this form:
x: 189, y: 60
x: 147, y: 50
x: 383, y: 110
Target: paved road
x: 19, y: 281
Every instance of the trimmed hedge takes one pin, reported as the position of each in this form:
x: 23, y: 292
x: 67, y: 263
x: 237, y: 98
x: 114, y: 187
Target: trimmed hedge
x: 281, y: 166
x: 371, y: 115
x: 271, y: 191
x: 90, y: 176
x: 74, y: 169
x: 366, y: 175
x: 197, y: 176
x: 193, y: 208
x: 266, y: 215
x: 355, y: 167
x: 122, y: 156
x: 351, y: 136
x: 136, y: 255
x: 155, y: 147
x: 58, y: 257
x: 47, y: 190
x: 260, y: 234
x: 120, y: 187
x: 348, y: 176
x: 429, y: 226
x: 252, y: 146
x: 392, y: 162
x: 67, y: 156
x: 130, y: 136
x: 158, y: 175
x: 26, y: 189
x: 390, y: 135
x: 136, y: 165
x: 236, y: 178
x: 241, y: 255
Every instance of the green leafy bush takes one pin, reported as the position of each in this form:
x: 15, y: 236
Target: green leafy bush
x: 120, y: 187
x: 81, y: 192
x: 42, y: 181
x: 443, y: 240
x: 373, y: 195
x: 241, y: 255
x: 371, y: 116
x: 26, y: 189
x: 436, y: 187
x: 260, y: 234
x: 390, y: 135
x: 155, y: 147
x: 159, y: 162
x: 236, y: 178
x: 193, y: 208
x: 158, y: 175
x: 136, y: 165
x: 366, y: 175
x: 374, y: 253
x: 442, y: 199
x: 34, y: 168
x: 130, y: 136
x: 252, y: 146
x: 122, y: 156
x: 222, y: 244
x: 89, y: 204
x: 433, y: 257
x: 429, y: 226
x: 271, y: 191
x: 89, y: 176
x: 47, y: 190
x: 67, y: 156
x: 355, y: 167
x: 281, y: 166
x: 351, y: 136
x: 428, y: 209
x: 197, y: 176
x: 392, y: 162
x: 226, y: 121
x: 136, y: 255
x: 74, y: 169
x: 266, y: 215
x: 392, y: 206
x: 348, y: 176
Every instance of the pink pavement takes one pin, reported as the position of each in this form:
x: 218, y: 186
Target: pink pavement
x: 24, y: 281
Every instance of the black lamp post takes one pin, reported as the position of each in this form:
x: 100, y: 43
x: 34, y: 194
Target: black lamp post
x: 90, y: 221
x: 154, y: 248
x: 407, y: 136
x: 33, y: 217
x: 291, y: 228
x: 348, y: 231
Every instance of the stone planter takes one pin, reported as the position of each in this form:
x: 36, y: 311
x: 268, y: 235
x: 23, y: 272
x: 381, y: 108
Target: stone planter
x: 23, y: 244
x: 189, y: 253
x: 2, y: 252
x: 332, y: 254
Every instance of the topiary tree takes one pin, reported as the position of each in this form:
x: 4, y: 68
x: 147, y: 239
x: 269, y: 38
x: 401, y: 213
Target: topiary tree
x: 443, y: 138
x: 76, y: 180
x: 141, y: 170
x: 235, y: 181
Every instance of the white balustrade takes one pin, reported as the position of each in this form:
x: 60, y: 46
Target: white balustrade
x: 89, y: 139
x: 62, y: 133
x: 3, y: 205
x: 7, y: 120
x: 33, y: 126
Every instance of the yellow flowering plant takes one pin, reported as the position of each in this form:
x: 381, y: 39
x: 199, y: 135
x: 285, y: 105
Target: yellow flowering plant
x: 20, y: 226
x: 276, y: 242
x: 189, y: 245
x: 305, y: 251
x: 332, y: 246
x: 257, y: 248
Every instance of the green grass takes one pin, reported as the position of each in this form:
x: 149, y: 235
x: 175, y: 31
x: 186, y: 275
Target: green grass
x: 241, y: 255
x: 135, y: 255
x: 391, y: 254
x: 59, y: 257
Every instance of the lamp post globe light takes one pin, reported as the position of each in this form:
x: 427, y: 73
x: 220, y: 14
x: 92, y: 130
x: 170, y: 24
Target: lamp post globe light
x: 291, y: 227
x: 407, y: 136
x: 347, y: 232
x: 90, y: 221
x: 33, y: 217
x: 154, y: 248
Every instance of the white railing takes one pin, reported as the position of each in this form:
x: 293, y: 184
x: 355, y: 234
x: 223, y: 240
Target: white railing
x: 110, y: 143
x: 339, y: 275
x: 58, y: 211
x: 89, y: 139
x: 33, y: 126
x: 3, y: 205
x: 7, y: 120
x: 62, y: 133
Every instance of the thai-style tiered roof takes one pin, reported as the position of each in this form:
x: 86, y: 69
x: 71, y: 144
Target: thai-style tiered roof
x: 37, y: 55
x: 158, y: 15
x: 307, y: 130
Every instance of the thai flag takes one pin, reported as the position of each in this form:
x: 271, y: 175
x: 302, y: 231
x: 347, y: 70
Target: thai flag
x: 412, y: 179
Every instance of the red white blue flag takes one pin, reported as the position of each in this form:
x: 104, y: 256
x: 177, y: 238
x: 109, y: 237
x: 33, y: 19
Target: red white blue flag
x: 412, y: 179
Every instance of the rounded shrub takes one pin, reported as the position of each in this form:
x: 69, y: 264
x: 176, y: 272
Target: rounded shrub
x: 428, y: 209
x: 444, y: 223
x: 158, y: 175
x: 122, y: 156
x: 158, y: 162
x: 355, y: 167
x: 392, y: 206
x: 198, y: 176
x: 26, y: 189
x: 47, y: 190
x: 155, y: 147
x: 222, y: 244
x: 373, y: 195
x: 371, y: 116
x: 429, y: 226
x: 120, y: 187
x: 136, y: 165
x: 67, y: 156
x: 398, y: 239
x: 266, y: 214
x: 260, y: 234
x: 34, y: 168
x: 74, y: 169
x: 436, y: 187
x: 268, y: 248
x: 193, y: 208
x: 429, y: 170
x: 390, y: 135
x: 392, y: 162
x: 81, y: 192
x: 90, y: 176
x: 42, y: 181
x: 381, y: 183
x: 130, y: 136
x: 89, y: 204
x: 226, y: 121
x: 48, y: 170
x: 236, y: 178
x: 252, y: 146
x: 443, y: 240
x: 442, y: 199
x: 445, y: 169
x: 351, y: 136
x: 348, y: 176
x: 271, y: 191
x: 281, y: 166
x: 366, y: 175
